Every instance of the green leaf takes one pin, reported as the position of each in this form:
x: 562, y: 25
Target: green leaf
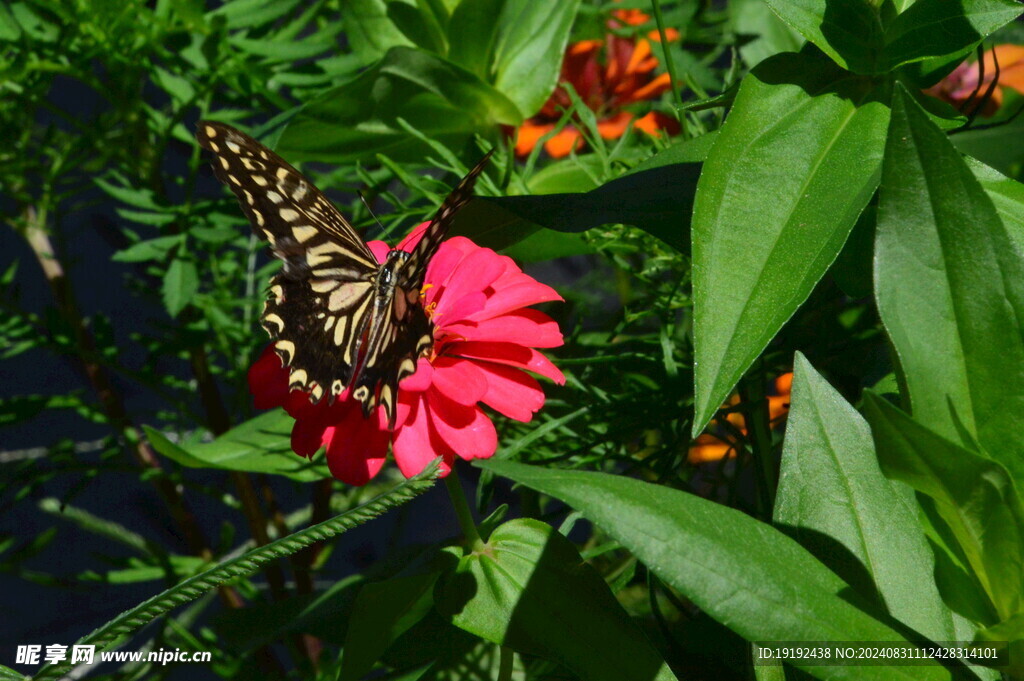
x: 252, y: 13
x: 792, y: 168
x: 369, y: 30
x: 260, y: 445
x: 656, y: 200
x: 363, y: 117
x: 755, y: 18
x: 528, y: 49
x: 140, y: 198
x: 743, y: 573
x: 940, y: 28
x: 473, y: 30
x: 998, y: 146
x: 419, y: 26
x: 8, y: 674
x: 974, y: 495
x: 835, y: 501
x: 383, y: 611
x: 547, y: 244
x: 950, y: 290
x: 243, y: 566
x: 180, y: 285
x: 530, y: 590
x: 1007, y: 196
x: 848, y: 32
x: 151, y: 249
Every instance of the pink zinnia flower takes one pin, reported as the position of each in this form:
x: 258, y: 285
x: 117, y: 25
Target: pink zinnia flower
x: 484, y: 336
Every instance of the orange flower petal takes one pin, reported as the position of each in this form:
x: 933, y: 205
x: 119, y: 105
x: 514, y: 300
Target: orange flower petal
x: 778, y: 406
x: 584, y: 47
x: 529, y: 133
x: 615, y: 126
x: 651, y: 90
x: 784, y: 383
x: 563, y: 142
x: 1011, y: 66
x: 651, y: 123
x: 636, y: 61
x: 709, y: 448
x: 670, y: 33
x: 631, y: 17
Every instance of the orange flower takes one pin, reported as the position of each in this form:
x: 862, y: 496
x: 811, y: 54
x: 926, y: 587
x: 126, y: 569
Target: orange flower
x: 708, y: 447
x: 959, y: 86
x: 607, y: 75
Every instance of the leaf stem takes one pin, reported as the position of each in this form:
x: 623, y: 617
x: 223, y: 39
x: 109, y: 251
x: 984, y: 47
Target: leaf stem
x: 669, y: 65
x: 506, y: 657
x: 756, y: 419
x: 462, y: 512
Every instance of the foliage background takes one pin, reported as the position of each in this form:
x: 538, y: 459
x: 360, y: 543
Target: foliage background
x: 131, y: 290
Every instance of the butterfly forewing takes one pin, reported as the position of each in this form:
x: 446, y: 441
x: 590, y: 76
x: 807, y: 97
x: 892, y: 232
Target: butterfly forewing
x: 433, y: 236
x: 340, y: 320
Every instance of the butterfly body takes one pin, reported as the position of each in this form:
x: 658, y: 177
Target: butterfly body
x: 340, y: 319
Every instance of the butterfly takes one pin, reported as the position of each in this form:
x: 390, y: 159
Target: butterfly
x: 339, y: 318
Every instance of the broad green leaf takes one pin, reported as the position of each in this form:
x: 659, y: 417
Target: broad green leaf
x: 694, y: 150
x: 1007, y: 196
x: 419, y: 26
x: 180, y: 285
x: 369, y: 30
x: 950, y: 290
x: 151, y: 249
x: 656, y: 200
x: 529, y: 47
x: 998, y: 146
x: 745, y: 574
x: 260, y: 445
x: 383, y: 611
x: 792, y: 168
x: 530, y: 590
x: 848, y: 32
x: 974, y: 495
x: 548, y: 244
x: 832, y: 494
x: 940, y: 28
x: 361, y: 117
x: 474, y: 32
x: 755, y: 18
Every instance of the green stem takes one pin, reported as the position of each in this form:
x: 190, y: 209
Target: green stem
x: 756, y: 417
x: 462, y: 512
x: 669, y: 66
x: 505, y: 659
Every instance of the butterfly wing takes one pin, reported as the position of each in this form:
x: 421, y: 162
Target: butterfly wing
x: 321, y: 302
x: 416, y: 267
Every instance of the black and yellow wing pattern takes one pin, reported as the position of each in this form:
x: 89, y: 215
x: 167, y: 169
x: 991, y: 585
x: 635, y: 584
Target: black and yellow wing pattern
x: 338, y: 317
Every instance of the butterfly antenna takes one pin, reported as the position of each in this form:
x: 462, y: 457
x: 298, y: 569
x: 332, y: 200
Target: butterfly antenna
x: 372, y: 214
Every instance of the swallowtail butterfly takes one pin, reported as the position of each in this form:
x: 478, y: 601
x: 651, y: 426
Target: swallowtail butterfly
x: 339, y: 318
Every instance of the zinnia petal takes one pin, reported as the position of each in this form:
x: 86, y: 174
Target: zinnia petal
x: 415, y: 446
x: 466, y: 429
x: 357, y: 446
x: 459, y: 379
x: 528, y: 327
x: 510, y: 354
x: 515, y: 394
